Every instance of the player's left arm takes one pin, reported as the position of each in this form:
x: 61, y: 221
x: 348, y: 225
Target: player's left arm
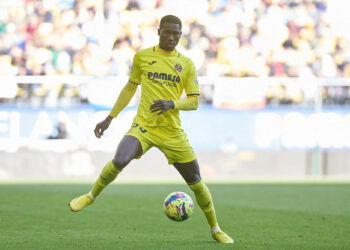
x: 189, y: 103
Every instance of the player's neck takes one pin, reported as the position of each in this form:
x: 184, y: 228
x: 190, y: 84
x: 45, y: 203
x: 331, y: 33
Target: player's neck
x: 166, y: 52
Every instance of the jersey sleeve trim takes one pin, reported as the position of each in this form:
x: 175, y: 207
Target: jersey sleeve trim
x: 134, y: 82
x: 192, y: 94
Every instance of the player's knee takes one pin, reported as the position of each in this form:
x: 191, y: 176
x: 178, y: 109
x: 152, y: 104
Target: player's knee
x: 193, y: 179
x: 120, y: 162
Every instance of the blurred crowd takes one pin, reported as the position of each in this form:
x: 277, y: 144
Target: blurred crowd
x: 224, y: 37
x: 280, y: 38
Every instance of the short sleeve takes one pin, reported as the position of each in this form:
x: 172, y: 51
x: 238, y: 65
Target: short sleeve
x: 191, y: 82
x: 135, y: 74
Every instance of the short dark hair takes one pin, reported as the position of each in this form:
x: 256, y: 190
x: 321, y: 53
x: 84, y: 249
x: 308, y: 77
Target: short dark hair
x: 170, y: 19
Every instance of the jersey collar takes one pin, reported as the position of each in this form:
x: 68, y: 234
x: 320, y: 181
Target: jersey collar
x: 165, y: 52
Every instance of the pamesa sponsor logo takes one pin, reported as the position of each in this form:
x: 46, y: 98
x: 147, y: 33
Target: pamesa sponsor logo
x: 163, y: 76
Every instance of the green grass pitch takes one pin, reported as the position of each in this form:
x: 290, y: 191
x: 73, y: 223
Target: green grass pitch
x: 130, y: 216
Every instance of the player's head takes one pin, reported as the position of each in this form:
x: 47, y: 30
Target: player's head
x: 169, y: 32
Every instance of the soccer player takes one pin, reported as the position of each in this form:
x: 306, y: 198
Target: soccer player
x: 163, y: 74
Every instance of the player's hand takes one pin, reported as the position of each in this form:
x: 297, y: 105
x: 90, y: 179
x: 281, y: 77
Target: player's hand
x: 161, y: 106
x: 102, y: 126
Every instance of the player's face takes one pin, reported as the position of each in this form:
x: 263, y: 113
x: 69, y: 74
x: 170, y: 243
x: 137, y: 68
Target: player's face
x: 169, y: 36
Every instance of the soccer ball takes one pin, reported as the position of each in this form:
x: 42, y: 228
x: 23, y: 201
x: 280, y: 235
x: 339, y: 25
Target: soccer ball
x: 178, y: 206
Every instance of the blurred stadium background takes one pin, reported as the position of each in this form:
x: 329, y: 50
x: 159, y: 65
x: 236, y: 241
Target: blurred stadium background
x: 274, y: 77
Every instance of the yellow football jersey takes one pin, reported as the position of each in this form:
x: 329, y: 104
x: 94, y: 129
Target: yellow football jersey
x: 163, y: 75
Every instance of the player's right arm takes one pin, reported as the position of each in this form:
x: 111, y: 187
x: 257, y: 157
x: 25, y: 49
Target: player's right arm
x: 123, y: 100
x: 124, y: 97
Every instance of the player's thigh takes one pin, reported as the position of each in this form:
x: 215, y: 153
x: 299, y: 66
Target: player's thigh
x: 175, y: 146
x: 189, y: 171
x: 129, y: 148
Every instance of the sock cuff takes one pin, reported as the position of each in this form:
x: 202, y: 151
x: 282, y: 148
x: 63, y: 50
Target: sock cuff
x: 197, y: 185
x: 113, y: 168
x: 195, y: 182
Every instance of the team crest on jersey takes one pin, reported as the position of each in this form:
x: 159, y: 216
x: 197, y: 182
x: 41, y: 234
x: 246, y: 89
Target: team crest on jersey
x: 178, y: 67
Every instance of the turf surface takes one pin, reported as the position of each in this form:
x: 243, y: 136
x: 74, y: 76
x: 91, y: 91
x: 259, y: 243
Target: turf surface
x: 128, y: 216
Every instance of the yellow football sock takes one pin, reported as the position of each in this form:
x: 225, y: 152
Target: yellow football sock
x: 108, y: 174
x: 204, y: 200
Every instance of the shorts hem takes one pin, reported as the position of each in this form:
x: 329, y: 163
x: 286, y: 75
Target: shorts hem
x: 171, y: 162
